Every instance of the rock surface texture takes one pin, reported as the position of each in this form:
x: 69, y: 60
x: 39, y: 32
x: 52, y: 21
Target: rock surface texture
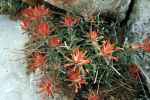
x: 139, y: 21
x: 139, y: 29
x: 14, y: 83
x: 88, y: 7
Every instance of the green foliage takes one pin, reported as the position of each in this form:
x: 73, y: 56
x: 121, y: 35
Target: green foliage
x: 101, y: 71
x: 11, y: 7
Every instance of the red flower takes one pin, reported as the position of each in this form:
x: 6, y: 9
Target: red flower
x: 76, y: 79
x: 38, y: 60
x: 79, y: 57
x: 134, y: 71
x: 145, y: 45
x: 107, y: 50
x: 35, y: 13
x: 46, y: 86
x: 54, y: 42
x: 93, y: 35
x: 69, y: 21
x: 43, y: 29
x: 25, y: 24
x: 78, y: 60
x: 94, y: 97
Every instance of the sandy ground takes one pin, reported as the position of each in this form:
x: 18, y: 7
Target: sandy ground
x: 14, y: 83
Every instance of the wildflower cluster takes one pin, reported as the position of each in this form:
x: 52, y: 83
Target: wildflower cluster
x: 77, y: 53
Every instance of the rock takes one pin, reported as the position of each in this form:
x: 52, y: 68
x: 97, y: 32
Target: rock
x: 140, y: 20
x: 89, y: 7
x: 139, y: 29
x: 14, y: 83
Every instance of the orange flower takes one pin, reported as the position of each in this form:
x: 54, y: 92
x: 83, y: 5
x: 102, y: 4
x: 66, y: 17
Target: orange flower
x: 134, y: 71
x: 76, y: 79
x: 43, y: 29
x: 145, y: 46
x: 25, y: 24
x: 107, y: 50
x: 69, y: 21
x: 93, y: 35
x: 54, y: 42
x: 38, y: 61
x: 93, y: 97
x: 35, y: 13
x: 79, y: 57
x: 46, y: 86
x: 78, y: 60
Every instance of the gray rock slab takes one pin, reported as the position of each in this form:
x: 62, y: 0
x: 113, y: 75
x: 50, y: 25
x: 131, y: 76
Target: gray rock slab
x: 14, y: 83
x: 88, y: 7
x: 139, y: 29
